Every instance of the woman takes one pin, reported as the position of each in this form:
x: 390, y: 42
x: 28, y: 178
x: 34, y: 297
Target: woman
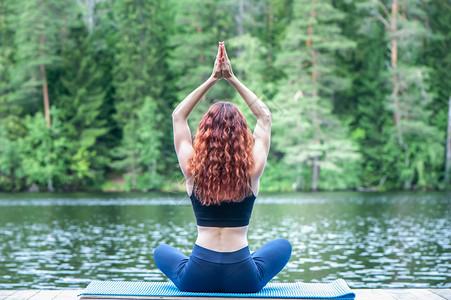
x: 222, y: 171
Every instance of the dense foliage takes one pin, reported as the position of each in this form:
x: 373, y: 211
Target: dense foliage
x: 358, y: 89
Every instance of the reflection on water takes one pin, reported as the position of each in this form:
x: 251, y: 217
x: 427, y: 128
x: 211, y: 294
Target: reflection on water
x: 371, y: 240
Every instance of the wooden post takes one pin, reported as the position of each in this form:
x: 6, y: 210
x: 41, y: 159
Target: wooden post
x: 448, y: 144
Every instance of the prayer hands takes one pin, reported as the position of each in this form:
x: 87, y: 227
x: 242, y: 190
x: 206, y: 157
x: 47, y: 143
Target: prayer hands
x: 222, y: 67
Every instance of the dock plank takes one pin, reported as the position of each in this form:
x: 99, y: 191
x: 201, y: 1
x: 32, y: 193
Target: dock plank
x: 68, y: 295
x: 22, y: 295
x: 445, y: 293
x: 370, y: 294
x: 413, y: 294
x: 5, y: 293
x: 46, y: 295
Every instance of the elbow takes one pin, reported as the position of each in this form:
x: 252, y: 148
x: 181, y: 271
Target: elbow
x: 176, y: 115
x: 266, y: 118
x: 269, y: 116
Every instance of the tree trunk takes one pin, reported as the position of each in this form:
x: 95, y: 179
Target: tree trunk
x: 50, y: 185
x: 299, y: 141
x: 315, y: 174
x: 394, y: 64
x: 88, y: 9
x: 12, y: 176
x: 299, y: 177
x: 396, y: 80
x: 239, y: 18
x: 45, y: 94
x: 91, y: 15
x: 45, y: 91
x: 448, y: 144
x: 133, y: 168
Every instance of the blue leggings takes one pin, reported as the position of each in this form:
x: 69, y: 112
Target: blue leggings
x: 229, y: 272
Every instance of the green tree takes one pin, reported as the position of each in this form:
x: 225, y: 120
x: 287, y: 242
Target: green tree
x: 438, y: 58
x: 140, y: 148
x: 11, y: 168
x: 44, y: 152
x: 139, y: 77
x: 195, y: 45
x: 413, y: 147
x: 307, y: 132
x: 362, y: 104
x: 11, y: 125
x: 7, y: 50
x: 81, y: 96
x: 39, y: 26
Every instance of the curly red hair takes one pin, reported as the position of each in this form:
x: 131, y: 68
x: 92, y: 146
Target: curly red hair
x: 222, y: 158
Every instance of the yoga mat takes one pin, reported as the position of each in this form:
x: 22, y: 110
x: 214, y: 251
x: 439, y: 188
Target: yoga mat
x: 337, y: 289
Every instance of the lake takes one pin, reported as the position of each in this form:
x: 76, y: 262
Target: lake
x: 372, y: 240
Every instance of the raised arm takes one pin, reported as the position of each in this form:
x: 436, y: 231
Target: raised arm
x: 258, y: 108
x: 182, y: 134
x: 262, y: 131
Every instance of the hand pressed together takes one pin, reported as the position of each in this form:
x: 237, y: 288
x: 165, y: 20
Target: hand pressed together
x: 222, y: 67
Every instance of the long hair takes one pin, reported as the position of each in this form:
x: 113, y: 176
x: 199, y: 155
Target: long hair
x: 222, y: 159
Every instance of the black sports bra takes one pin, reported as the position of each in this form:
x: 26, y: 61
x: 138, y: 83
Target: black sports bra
x: 226, y: 214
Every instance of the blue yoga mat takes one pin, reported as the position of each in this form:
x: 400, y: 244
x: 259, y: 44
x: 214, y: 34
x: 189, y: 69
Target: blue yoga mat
x: 337, y: 289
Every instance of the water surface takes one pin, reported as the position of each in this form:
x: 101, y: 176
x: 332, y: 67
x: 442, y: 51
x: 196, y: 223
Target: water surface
x: 372, y: 240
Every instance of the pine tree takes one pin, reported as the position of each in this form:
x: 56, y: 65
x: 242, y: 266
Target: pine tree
x: 81, y: 99
x: 139, y: 78
x: 11, y: 125
x: 141, y: 148
x: 11, y: 172
x: 250, y: 63
x: 6, y: 52
x: 277, y: 15
x: 195, y: 45
x: 361, y: 103
x: 413, y: 147
x: 438, y: 58
x: 308, y: 133
x: 39, y: 28
x: 39, y: 25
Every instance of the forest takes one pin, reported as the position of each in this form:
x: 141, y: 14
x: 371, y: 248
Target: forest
x: 359, y: 91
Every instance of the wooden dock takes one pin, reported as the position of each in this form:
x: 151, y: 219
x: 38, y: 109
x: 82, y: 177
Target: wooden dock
x: 361, y: 294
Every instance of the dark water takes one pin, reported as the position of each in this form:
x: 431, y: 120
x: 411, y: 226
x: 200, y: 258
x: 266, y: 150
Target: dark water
x: 395, y: 240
